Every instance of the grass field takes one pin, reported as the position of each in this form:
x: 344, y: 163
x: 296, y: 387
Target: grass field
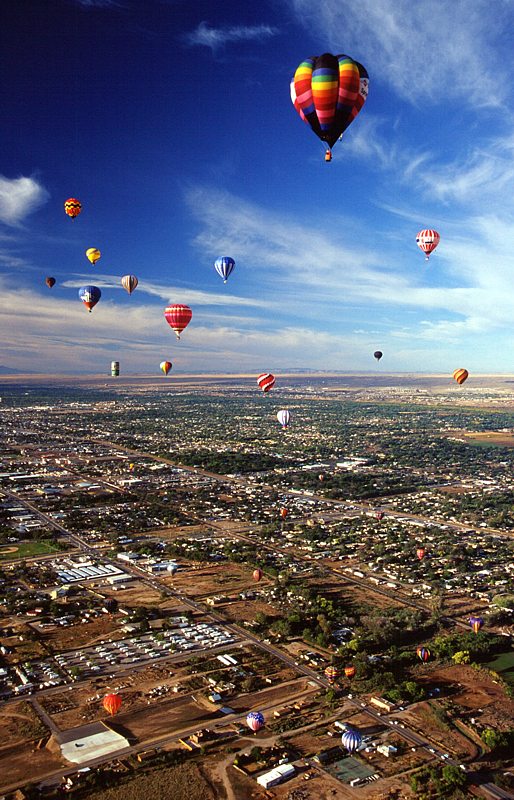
x: 28, y: 549
x: 504, y: 666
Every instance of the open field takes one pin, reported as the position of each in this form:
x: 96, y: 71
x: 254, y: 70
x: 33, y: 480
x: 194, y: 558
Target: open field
x: 18, y: 723
x: 185, y: 782
x: 15, y: 758
x: 28, y: 549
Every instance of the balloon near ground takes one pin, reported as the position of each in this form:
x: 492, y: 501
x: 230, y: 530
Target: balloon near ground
x: 165, y: 366
x: 331, y: 673
x: 421, y: 552
x: 178, y: 317
x: 351, y: 740
x: 224, y: 266
x: 284, y: 417
x: 427, y: 241
x: 90, y: 295
x: 112, y: 703
x: 476, y: 623
x: 284, y: 512
x: 93, y: 254
x: 255, y: 721
x: 129, y: 283
x: 423, y: 653
x: 349, y: 671
x: 266, y: 381
x: 257, y: 574
x: 72, y: 207
x: 460, y: 375
x: 328, y: 91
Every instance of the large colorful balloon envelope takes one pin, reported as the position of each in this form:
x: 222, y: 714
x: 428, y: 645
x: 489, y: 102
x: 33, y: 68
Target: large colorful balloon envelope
x: 93, y: 254
x: 351, y: 740
x: 165, y: 366
x: 266, y: 381
x: 460, y: 375
x: 129, y: 283
x: 476, y: 623
x: 90, y: 295
x: 423, y: 653
x: 112, y: 703
x: 224, y: 266
x: 72, y: 207
x: 255, y: 721
x: 349, y: 671
x: 328, y: 92
x: 50, y: 282
x: 331, y: 673
x: 284, y: 417
x: 178, y: 317
x: 427, y: 241
x: 257, y: 574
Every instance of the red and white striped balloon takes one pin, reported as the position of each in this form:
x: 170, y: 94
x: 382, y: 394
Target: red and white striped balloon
x: 427, y: 241
x: 266, y: 381
x: 178, y: 317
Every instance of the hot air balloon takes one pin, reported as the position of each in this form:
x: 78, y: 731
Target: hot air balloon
x: 93, y: 254
x: 328, y: 92
x: 178, y: 317
x: 351, y: 740
x: 266, y: 381
x: 321, y: 477
x: 349, y: 671
x: 284, y: 417
x: 112, y: 703
x: 90, y: 295
x: 476, y: 623
x: 50, y: 282
x: 172, y: 569
x: 421, y: 552
x: 131, y: 467
x: 165, y: 366
x: 129, y: 283
x: 72, y: 207
x: 284, y: 512
x: 224, y: 266
x: 379, y: 515
x: 115, y: 369
x: 423, y: 653
x: 331, y: 673
x: 255, y: 721
x: 427, y: 241
x: 378, y: 354
x: 460, y: 375
x: 257, y: 574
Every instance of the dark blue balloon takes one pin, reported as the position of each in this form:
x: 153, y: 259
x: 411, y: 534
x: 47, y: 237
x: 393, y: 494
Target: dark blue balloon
x: 90, y: 295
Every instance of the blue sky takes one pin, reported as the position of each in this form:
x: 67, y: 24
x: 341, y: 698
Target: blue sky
x: 172, y: 123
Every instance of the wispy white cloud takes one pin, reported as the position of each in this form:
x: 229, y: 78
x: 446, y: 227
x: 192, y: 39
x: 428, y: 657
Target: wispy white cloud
x: 215, y: 38
x: 19, y: 197
x: 429, y: 51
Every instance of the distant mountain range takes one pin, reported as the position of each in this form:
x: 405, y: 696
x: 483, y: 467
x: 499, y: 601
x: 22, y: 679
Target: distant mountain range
x: 9, y: 371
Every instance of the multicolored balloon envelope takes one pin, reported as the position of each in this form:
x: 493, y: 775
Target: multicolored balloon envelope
x: 328, y: 92
x: 178, y: 317
x: 331, y: 673
x: 257, y: 574
x: 420, y: 552
x: 351, y: 740
x: 50, y: 282
x: 284, y: 417
x: 476, y: 623
x: 266, y: 381
x: 93, y: 254
x: 255, y: 721
x: 72, y: 207
x: 460, y: 375
x: 224, y: 266
x: 112, y: 703
x: 427, y: 241
x: 129, y: 283
x: 165, y: 366
x: 90, y: 295
x: 423, y: 653
x: 349, y: 671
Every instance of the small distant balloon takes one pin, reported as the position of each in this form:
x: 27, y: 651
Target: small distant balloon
x: 349, y: 671
x: 50, y: 282
x: 378, y: 354
x: 284, y: 417
x: 476, y: 623
x: 460, y: 375
x: 427, y: 241
x: 255, y: 721
x: 90, y: 295
x: 257, y: 574
x: 351, y: 740
x: 423, y: 653
x: 266, y: 381
x: 72, y: 207
x: 165, y: 366
x: 284, y: 512
x: 420, y: 552
x: 112, y: 703
x: 224, y: 266
x: 129, y: 283
x: 115, y: 369
x: 93, y: 254
x: 331, y: 673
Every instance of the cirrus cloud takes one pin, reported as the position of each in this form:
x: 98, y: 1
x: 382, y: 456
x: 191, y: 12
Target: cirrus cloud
x: 19, y: 197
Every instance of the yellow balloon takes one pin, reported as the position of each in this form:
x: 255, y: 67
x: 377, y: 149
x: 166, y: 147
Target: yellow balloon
x: 93, y: 254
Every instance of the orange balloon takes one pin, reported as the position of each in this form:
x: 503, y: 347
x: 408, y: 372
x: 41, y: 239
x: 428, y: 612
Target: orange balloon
x: 460, y: 375
x: 112, y: 703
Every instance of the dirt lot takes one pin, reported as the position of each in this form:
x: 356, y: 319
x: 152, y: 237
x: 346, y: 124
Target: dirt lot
x: 19, y: 722
x: 186, y: 782
x: 203, y: 581
x: 75, y: 636
x: 245, y: 610
x: 15, y: 758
